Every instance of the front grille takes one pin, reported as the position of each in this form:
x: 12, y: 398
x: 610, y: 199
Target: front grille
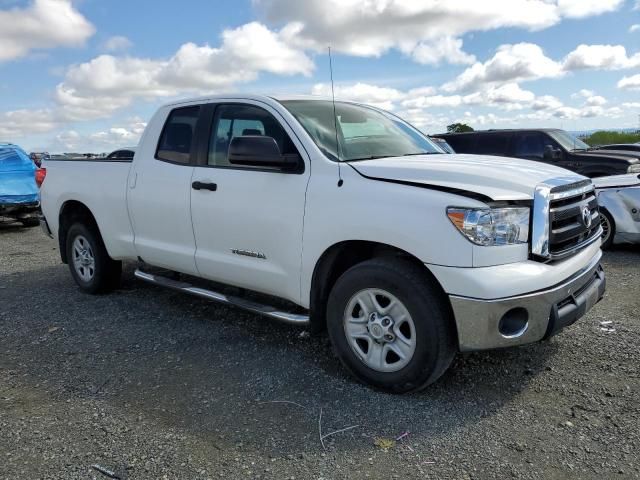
x: 574, y: 219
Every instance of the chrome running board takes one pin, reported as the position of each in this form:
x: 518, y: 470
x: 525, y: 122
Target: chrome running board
x: 266, y: 310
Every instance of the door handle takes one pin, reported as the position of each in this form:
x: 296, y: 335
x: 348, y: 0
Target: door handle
x: 212, y: 187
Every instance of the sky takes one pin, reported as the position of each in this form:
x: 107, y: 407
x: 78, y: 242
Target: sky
x: 86, y: 75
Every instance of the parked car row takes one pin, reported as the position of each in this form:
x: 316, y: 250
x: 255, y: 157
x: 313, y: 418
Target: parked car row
x: 436, y: 251
x: 19, y: 197
x: 552, y: 146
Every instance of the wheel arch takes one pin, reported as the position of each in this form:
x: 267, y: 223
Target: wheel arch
x: 612, y: 221
x: 339, y: 258
x: 72, y: 211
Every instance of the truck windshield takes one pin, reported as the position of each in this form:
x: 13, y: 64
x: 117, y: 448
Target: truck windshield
x: 363, y: 133
x: 568, y: 141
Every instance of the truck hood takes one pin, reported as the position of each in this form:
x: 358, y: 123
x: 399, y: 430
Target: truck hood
x: 623, y: 156
x: 617, y: 181
x: 498, y: 178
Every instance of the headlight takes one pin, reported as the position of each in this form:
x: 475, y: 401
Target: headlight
x: 635, y: 168
x: 492, y: 226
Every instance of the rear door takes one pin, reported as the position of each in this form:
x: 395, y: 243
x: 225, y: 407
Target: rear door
x: 159, y: 195
x: 248, y: 221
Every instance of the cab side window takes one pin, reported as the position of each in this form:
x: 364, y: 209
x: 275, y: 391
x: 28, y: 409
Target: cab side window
x: 529, y: 145
x: 238, y: 120
x: 177, y: 137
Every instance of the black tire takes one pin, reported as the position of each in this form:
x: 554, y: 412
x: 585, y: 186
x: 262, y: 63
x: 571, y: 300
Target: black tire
x: 30, y: 222
x: 435, y: 337
x: 608, y: 235
x: 106, y: 271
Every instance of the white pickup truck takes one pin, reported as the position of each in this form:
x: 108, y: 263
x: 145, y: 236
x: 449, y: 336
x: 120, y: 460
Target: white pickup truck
x: 355, y: 218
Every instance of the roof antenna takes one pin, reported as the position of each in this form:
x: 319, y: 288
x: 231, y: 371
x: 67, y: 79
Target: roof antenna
x: 335, y: 121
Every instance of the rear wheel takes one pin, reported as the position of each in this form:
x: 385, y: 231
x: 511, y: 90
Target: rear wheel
x: 390, y: 326
x: 90, y: 265
x: 608, y: 229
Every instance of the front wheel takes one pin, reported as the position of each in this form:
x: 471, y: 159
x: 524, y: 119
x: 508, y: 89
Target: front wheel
x: 390, y: 326
x: 91, y: 266
x: 608, y: 229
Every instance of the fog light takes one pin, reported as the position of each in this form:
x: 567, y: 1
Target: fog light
x: 514, y: 323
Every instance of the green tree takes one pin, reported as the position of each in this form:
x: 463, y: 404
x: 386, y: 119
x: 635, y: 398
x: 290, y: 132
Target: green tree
x: 603, y: 137
x: 459, y: 128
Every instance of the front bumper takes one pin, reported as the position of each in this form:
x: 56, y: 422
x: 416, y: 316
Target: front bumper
x: 518, y: 320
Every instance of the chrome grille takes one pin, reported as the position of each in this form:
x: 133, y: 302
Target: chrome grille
x: 565, y: 218
x: 572, y: 221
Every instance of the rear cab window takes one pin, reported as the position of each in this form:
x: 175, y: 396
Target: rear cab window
x: 176, y: 141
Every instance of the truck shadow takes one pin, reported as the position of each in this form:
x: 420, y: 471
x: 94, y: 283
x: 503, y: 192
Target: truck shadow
x: 7, y: 226
x: 223, y: 375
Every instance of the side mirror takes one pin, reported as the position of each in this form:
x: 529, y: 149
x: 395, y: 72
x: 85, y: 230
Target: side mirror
x: 261, y: 152
x: 551, y: 153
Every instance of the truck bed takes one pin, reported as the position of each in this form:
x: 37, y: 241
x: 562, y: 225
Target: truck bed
x: 102, y: 186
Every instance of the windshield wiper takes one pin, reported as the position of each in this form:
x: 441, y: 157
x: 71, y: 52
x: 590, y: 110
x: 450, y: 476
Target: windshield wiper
x: 421, y: 153
x: 372, y: 157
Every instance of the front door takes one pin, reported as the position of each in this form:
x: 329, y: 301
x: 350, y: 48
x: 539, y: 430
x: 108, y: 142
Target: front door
x: 247, y: 221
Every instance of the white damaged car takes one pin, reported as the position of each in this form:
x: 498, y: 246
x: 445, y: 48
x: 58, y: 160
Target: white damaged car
x: 619, y: 200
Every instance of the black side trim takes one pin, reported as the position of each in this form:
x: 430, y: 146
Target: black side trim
x: 456, y: 191
x: 95, y: 160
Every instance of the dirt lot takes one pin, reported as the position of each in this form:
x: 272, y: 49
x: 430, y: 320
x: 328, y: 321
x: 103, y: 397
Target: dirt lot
x: 150, y: 384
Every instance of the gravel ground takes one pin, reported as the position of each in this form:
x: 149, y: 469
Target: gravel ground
x: 148, y: 383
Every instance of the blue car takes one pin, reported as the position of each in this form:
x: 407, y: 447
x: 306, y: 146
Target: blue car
x: 19, y: 194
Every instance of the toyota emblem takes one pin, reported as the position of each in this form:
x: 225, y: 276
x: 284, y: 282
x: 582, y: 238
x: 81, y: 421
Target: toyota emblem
x: 586, y: 216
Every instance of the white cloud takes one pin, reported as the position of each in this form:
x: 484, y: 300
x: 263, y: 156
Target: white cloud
x: 572, y: 113
x: 509, y: 93
x: 16, y: 123
x: 511, y: 63
x: 119, y: 136
x: 42, y: 24
x: 596, y: 100
x: 429, y: 101
x: 117, y: 43
x: 631, y: 104
x: 108, y: 83
x: 546, y: 102
x: 507, y: 97
x: 428, y: 31
x: 602, y: 57
x: 380, y: 97
x: 445, y: 49
x: 584, y: 93
x: 634, y: 28
x: 587, y: 8
x: 125, y: 134
x: 630, y: 83
x: 527, y: 61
